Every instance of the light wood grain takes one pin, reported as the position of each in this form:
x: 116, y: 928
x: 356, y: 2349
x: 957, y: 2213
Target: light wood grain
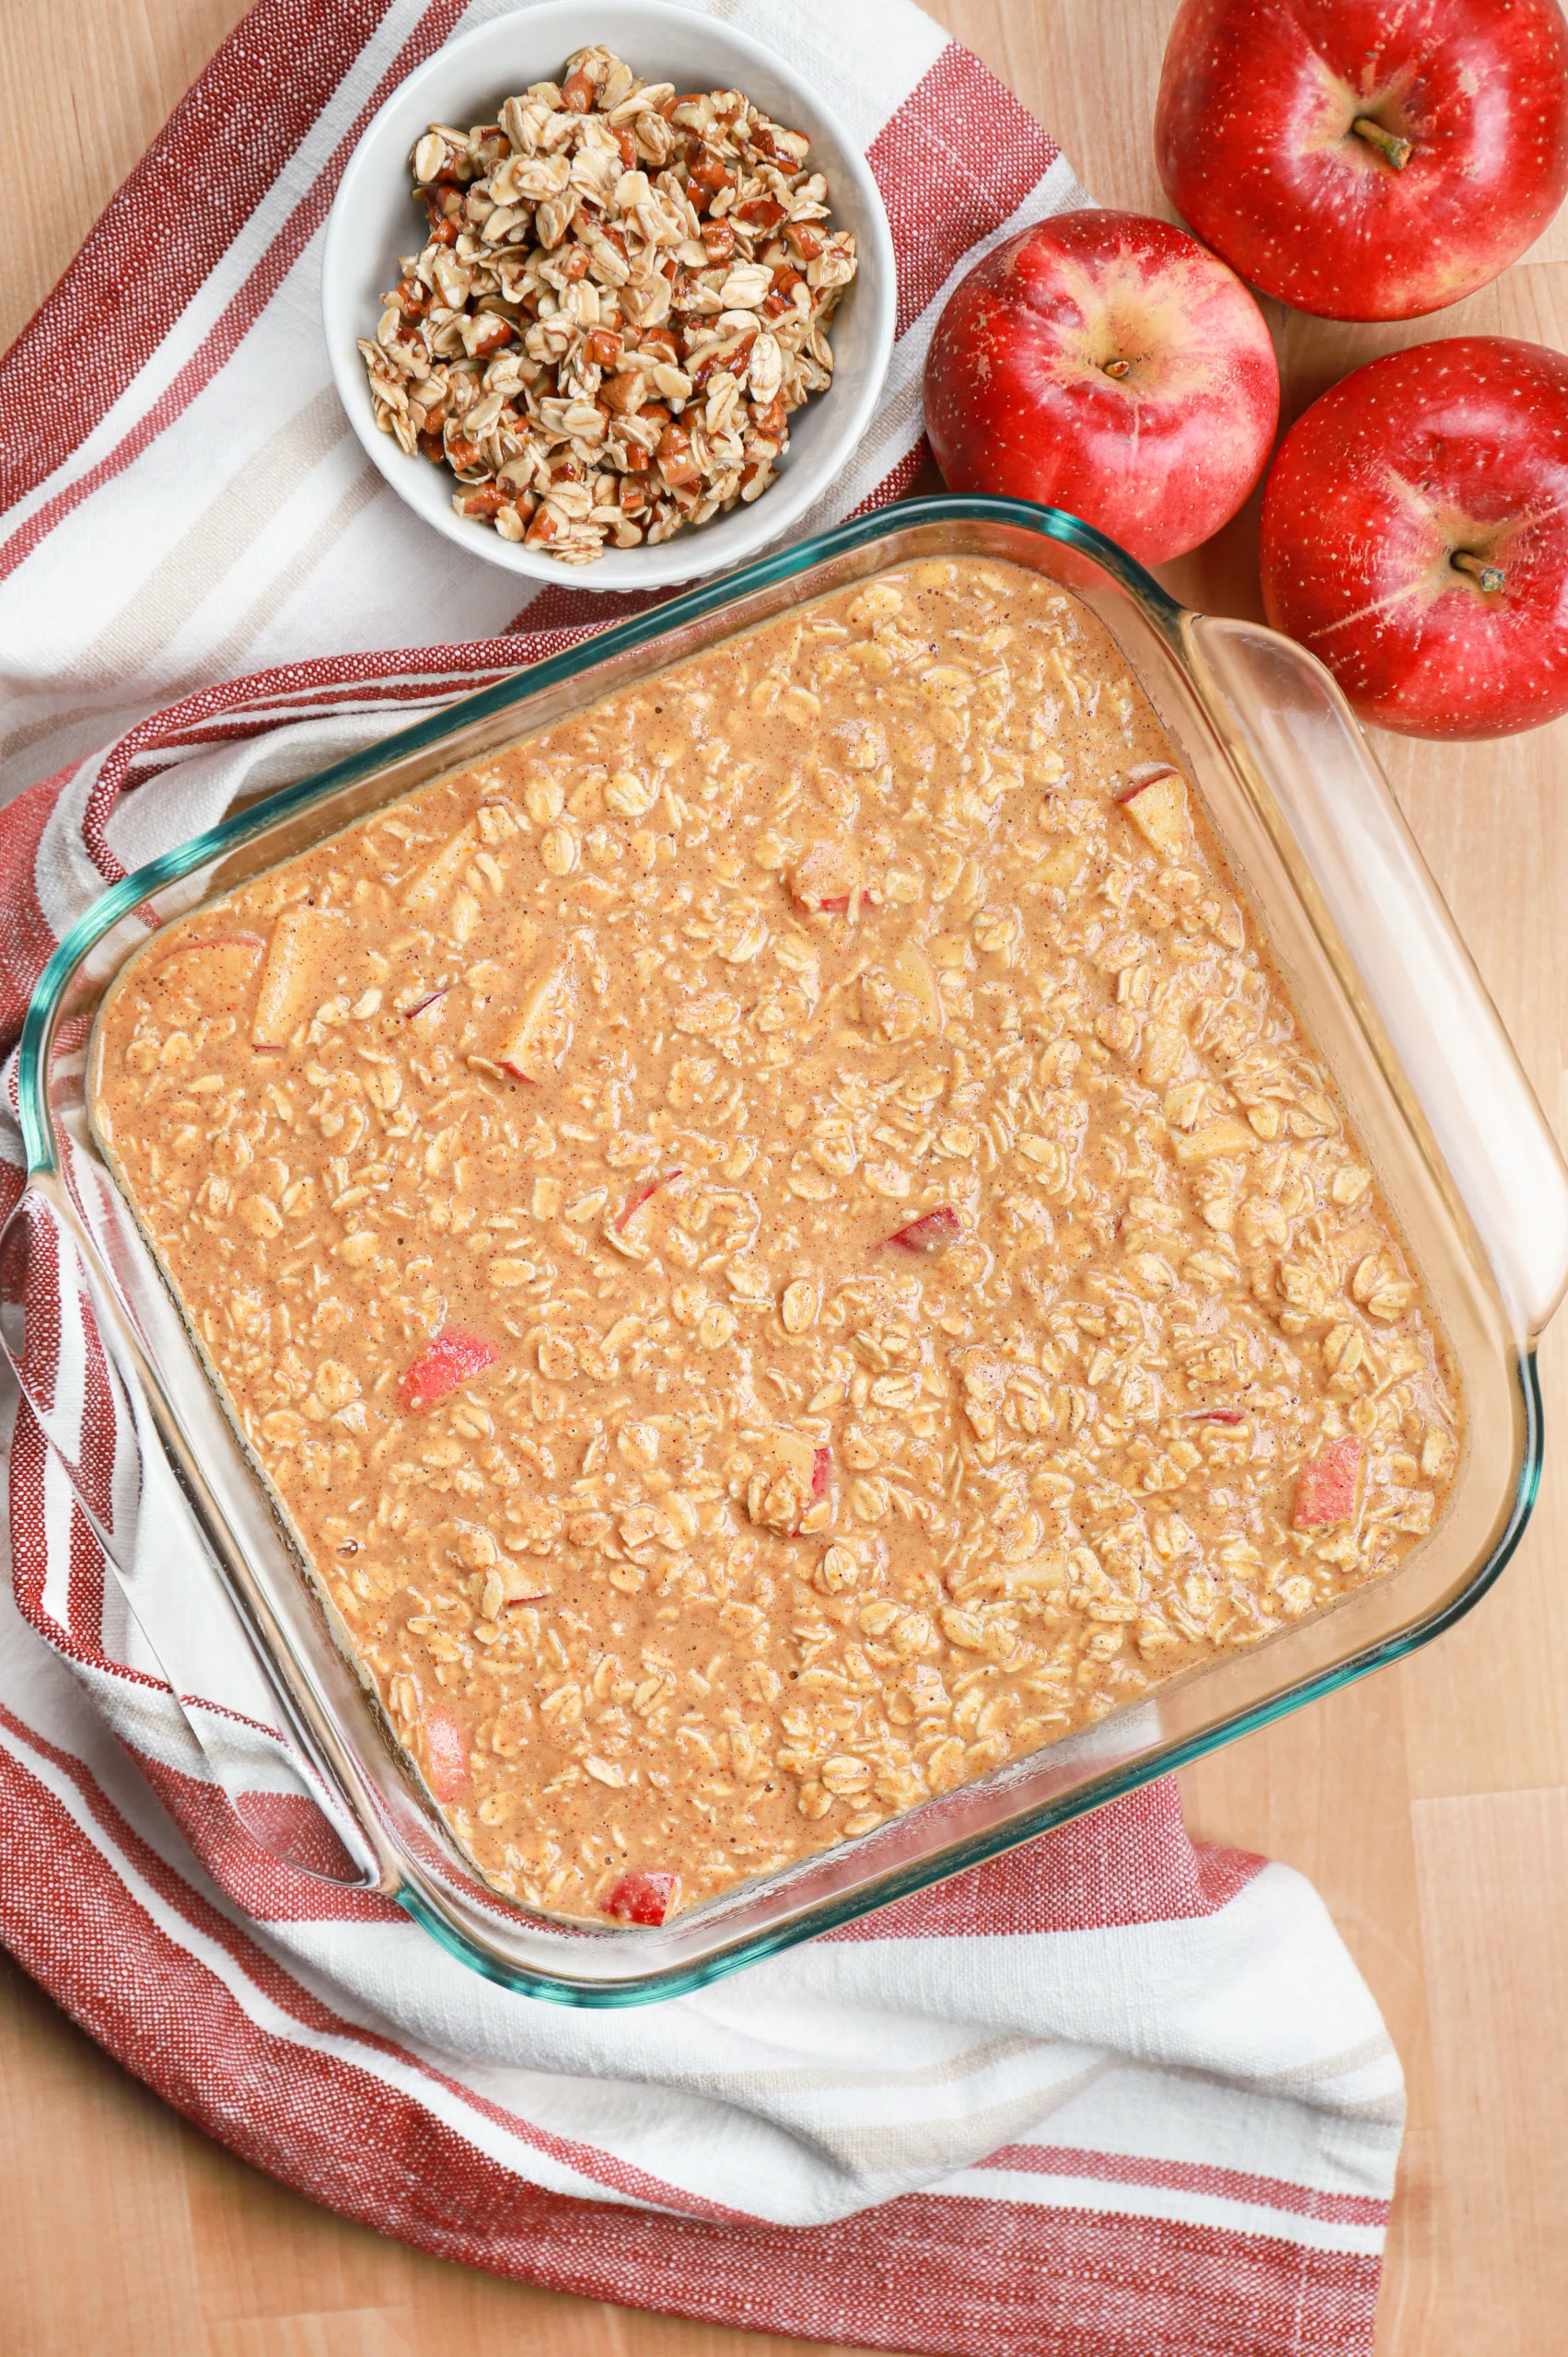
x: 1430, y: 1806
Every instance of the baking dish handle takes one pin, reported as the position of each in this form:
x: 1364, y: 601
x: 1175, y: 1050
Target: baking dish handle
x: 1432, y: 1004
x: 62, y: 1341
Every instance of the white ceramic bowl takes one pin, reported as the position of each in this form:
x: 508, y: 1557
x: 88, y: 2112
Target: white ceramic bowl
x: 374, y: 219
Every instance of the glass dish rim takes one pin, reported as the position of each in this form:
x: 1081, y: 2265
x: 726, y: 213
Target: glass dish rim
x: 1165, y: 614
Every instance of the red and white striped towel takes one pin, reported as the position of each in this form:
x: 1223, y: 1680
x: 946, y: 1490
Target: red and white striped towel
x: 1116, y: 2092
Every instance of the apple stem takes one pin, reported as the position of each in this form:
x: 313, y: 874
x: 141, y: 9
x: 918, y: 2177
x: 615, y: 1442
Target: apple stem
x: 1395, y: 150
x: 1485, y: 576
x: 1117, y: 367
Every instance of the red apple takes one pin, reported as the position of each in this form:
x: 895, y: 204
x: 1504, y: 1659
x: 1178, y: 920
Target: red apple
x: 1363, y: 159
x: 1415, y: 537
x: 1106, y: 363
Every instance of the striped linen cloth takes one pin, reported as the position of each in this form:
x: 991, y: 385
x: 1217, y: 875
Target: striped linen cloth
x: 1117, y: 2094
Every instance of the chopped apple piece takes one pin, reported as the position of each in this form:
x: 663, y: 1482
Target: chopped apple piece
x: 1064, y: 865
x: 912, y: 972
x: 1154, y: 798
x: 446, y: 1363
x: 932, y: 1232
x: 1326, y: 1486
x: 428, y: 884
x: 643, y: 1194
x: 1212, y: 1140
x: 291, y: 978
x: 446, y: 1756
x: 219, y: 969
x: 642, y: 1896
x: 826, y: 878
x: 538, y: 1043
x: 900, y: 1000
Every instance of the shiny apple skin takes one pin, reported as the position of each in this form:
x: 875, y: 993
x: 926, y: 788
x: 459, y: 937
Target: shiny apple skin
x: 1253, y: 138
x: 1018, y: 402
x: 1459, y: 446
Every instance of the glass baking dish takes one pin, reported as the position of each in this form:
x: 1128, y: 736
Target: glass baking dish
x: 1382, y: 984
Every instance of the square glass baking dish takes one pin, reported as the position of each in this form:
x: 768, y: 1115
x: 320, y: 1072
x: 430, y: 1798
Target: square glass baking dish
x: 1382, y: 984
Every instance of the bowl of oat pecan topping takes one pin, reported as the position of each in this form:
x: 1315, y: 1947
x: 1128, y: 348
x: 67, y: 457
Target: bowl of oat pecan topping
x: 615, y: 306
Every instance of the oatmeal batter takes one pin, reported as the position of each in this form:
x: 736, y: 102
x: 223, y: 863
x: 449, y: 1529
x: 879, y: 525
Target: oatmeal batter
x: 780, y: 1244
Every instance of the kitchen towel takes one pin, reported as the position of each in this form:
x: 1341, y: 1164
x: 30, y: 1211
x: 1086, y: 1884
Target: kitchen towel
x: 1117, y: 2094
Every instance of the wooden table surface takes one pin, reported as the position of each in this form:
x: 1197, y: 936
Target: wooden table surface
x: 1429, y: 1804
